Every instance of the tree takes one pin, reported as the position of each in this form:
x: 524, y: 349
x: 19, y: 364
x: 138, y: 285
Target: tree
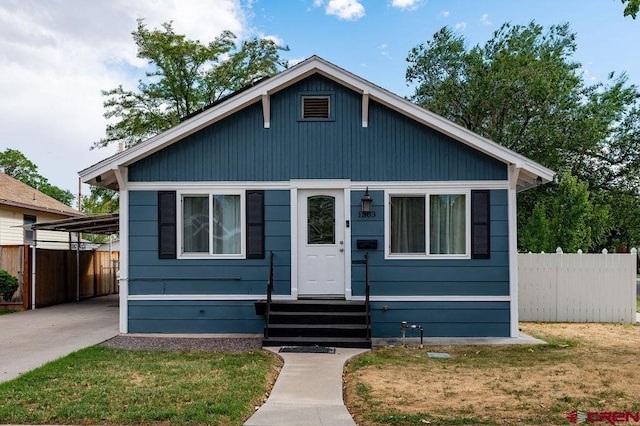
x: 185, y: 77
x: 101, y: 200
x: 535, y: 236
x: 568, y: 219
x: 523, y: 90
x: 16, y: 165
x: 631, y: 7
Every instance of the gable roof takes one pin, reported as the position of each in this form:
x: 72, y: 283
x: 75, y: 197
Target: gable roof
x: 17, y: 194
x: 104, y: 173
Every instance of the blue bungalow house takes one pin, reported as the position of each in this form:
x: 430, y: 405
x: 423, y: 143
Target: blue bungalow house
x: 302, y: 189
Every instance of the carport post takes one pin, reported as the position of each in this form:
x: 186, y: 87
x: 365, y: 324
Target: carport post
x: 77, y: 266
x: 33, y: 276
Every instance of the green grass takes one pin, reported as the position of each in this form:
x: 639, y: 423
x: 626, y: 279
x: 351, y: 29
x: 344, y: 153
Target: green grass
x: 4, y: 311
x: 101, y: 385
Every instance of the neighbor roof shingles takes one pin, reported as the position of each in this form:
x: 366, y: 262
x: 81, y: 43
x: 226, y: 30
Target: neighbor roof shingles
x: 17, y: 194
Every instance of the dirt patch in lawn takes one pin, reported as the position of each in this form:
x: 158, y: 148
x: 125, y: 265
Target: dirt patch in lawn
x: 585, y: 367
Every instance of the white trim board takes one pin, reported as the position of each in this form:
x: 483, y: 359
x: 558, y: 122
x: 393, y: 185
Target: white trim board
x: 256, y: 297
x: 319, y: 183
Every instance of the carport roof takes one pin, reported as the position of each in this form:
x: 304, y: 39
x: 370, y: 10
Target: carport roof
x: 98, y: 224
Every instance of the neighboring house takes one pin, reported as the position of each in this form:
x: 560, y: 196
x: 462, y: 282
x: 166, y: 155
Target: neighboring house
x: 285, y: 166
x: 21, y: 205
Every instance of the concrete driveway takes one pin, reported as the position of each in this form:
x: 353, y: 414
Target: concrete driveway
x: 33, y: 338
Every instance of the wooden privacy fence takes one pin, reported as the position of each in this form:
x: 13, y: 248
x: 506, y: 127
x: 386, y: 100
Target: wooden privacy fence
x: 565, y: 287
x: 57, y: 279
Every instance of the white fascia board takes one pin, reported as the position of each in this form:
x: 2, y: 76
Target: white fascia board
x: 432, y: 120
x: 460, y: 133
x: 292, y: 76
x: 200, y: 121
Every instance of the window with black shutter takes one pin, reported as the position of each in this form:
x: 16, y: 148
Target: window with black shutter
x: 255, y: 224
x: 166, y: 224
x: 480, y: 225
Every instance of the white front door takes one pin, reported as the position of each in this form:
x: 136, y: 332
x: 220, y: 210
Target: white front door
x: 321, y: 233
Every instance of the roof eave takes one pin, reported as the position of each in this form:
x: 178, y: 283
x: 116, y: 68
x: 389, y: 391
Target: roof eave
x: 103, y: 173
x: 40, y: 208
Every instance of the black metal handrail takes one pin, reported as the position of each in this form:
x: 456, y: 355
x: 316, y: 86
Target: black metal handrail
x: 269, y: 291
x: 367, y: 293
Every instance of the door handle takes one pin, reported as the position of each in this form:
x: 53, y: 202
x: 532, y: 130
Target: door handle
x: 341, y: 249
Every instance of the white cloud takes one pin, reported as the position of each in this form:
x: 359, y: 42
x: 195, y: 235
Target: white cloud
x: 274, y: 38
x: 484, y: 19
x: 460, y: 26
x: 445, y: 13
x: 56, y: 57
x: 350, y: 10
x: 406, y: 4
x: 384, y: 50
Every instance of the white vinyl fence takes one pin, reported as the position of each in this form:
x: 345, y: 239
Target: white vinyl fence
x: 563, y: 287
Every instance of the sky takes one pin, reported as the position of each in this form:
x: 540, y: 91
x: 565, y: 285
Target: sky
x: 56, y: 56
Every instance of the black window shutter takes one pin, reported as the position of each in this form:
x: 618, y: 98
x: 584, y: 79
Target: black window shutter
x: 255, y: 224
x: 480, y: 221
x: 167, y: 224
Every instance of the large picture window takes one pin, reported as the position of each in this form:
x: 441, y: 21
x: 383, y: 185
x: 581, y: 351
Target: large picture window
x: 428, y: 225
x: 212, y: 225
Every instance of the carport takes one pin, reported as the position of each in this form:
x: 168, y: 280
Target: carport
x: 105, y: 224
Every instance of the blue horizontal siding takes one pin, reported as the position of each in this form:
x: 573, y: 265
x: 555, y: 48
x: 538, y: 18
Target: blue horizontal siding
x: 441, y: 319
x: 193, y: 317
x: 392, y: 148
x: 426, y: 277
x: 150, y: 275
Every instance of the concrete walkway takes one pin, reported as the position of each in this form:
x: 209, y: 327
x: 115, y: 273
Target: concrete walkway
x: 33, y: 338
x: 308, y: 391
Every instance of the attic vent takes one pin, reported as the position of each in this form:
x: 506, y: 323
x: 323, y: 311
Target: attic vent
x: 315, y: 107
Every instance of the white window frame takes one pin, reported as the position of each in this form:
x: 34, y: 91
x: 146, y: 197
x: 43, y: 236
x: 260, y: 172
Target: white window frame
x: 426, y: 193
x: 210, y: 194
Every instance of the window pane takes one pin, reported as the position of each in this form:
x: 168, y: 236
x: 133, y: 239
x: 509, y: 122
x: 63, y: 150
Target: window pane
x: 227, y: 232
x: 408, y: 225
x: 195, y: 224
x: 447, y: 220
x: 29, y: 234
x: 321, y: 220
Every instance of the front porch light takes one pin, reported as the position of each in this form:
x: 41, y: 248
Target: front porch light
x: 367, y: 203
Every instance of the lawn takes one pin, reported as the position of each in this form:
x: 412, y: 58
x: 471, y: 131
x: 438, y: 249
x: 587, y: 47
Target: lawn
x: 585, y: 367
x: 101, y: 385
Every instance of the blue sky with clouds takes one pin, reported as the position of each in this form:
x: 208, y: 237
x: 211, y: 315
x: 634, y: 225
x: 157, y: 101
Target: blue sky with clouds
x: 57, y: 55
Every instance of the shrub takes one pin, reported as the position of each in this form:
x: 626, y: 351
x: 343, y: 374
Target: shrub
x: 8, y: 285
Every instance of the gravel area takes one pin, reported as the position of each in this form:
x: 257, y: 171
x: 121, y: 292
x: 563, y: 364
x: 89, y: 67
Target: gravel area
x: 224, y: 344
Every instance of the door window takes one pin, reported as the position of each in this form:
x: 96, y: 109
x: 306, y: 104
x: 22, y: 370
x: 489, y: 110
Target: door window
x: 321, y: 219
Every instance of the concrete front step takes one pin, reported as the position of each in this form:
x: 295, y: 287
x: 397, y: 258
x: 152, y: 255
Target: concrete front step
x: 344, y: 342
